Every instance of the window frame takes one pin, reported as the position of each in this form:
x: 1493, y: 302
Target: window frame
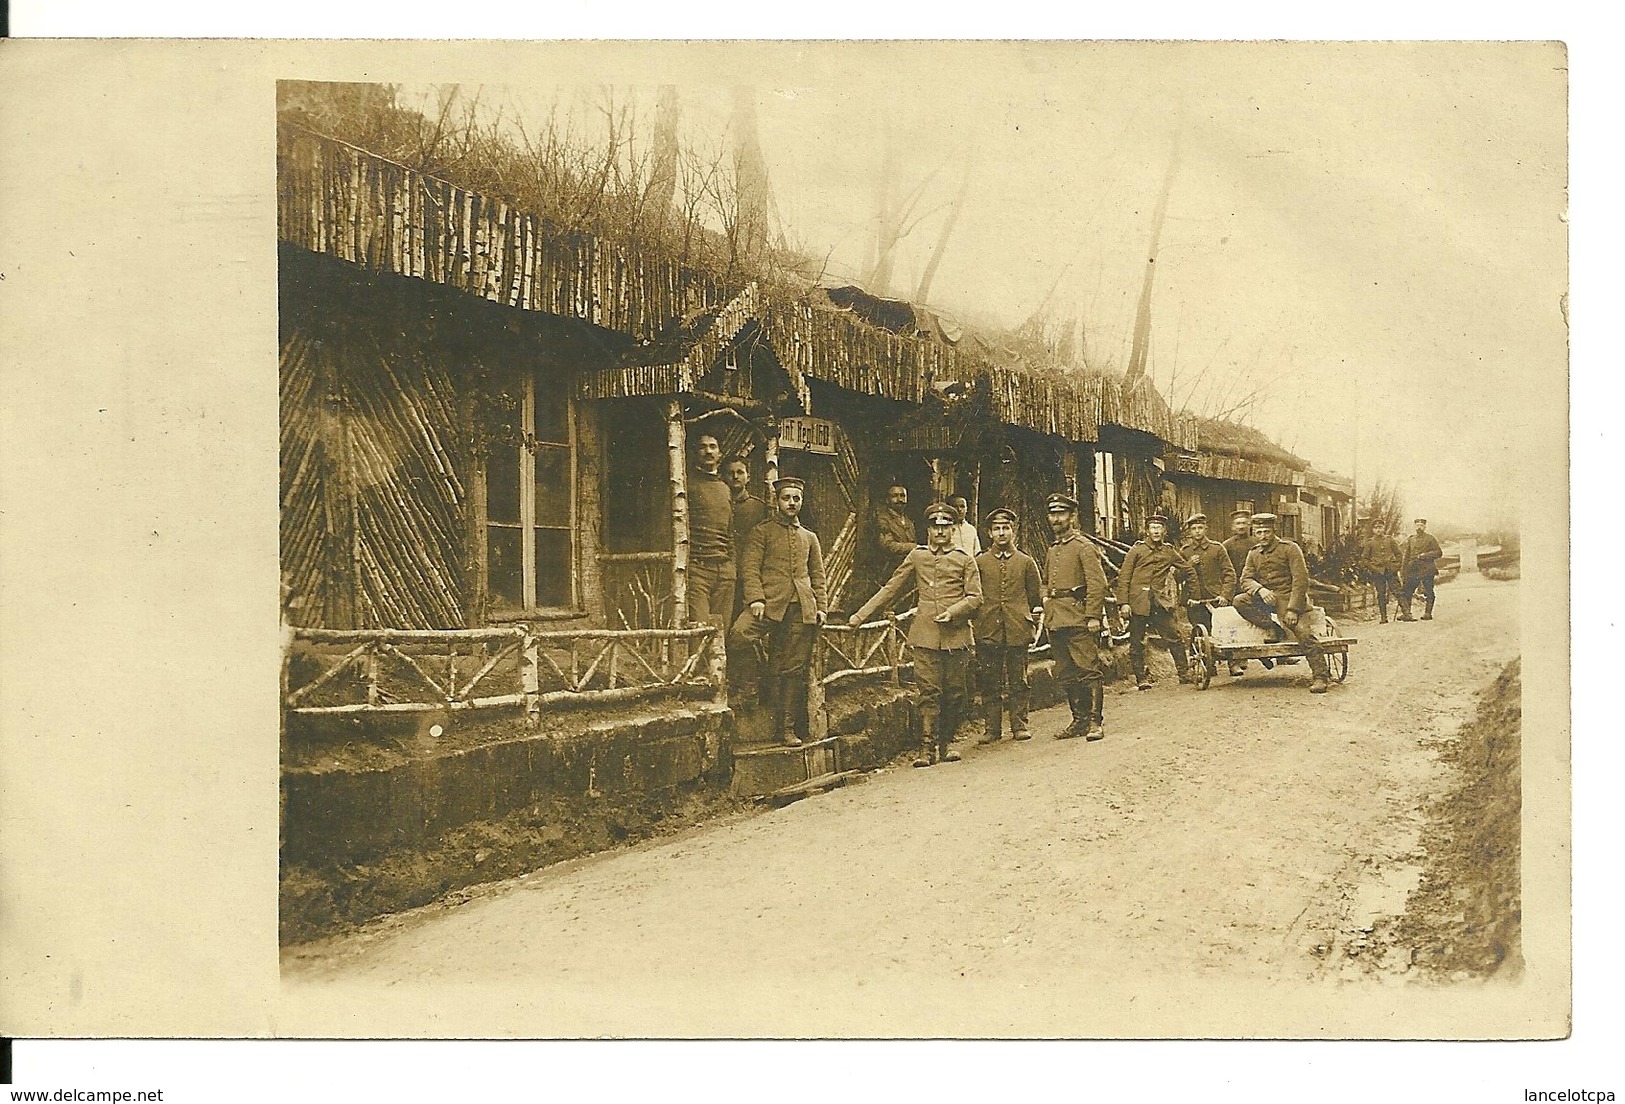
x: 528, y: 447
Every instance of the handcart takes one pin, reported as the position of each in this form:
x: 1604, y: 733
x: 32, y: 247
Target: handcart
x: 1234, y: 638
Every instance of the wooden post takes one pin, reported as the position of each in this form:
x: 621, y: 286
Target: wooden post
x: 894, y: 650
x: 372, y: 676
x: 530, y: 679
x: 677, y: 459
x: 716, y: 663
x: 770, y: 467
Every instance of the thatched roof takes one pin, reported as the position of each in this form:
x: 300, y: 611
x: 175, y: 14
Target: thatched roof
x: 1226, y: 438
x: 339, y: 200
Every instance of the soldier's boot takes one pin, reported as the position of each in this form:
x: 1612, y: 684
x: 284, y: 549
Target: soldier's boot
x: 1427, y: 614
x: 1097, y: 710
x: 800, y: 723
x: 1382, y: 612
x: 993, y: 719
x: 1018, y: 715
x: 1321, y: 671
x: 1078, y: 702
x: 945, y: 752
x: 1182, y: 663
x: 782, y: 730
x: 1404, y: 611
x: 928, y: 740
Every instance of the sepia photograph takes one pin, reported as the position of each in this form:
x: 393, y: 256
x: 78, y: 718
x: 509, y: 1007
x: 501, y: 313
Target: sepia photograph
x: 805, y: 540
x: 1101, y: 454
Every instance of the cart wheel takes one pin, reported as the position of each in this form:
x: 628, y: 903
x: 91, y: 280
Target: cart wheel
x: 1201, y: 658
x: 1338, y: 664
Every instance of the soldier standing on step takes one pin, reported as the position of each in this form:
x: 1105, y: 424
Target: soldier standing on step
x: 1012, y: 601
x: 950, y: 590
x: 786, y: 591
x: 1074, y: 601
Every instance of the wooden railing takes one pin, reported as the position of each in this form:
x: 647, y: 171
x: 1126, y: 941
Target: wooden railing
x: 878, y: 647
x: 398, y: 670
x: 874, y: 648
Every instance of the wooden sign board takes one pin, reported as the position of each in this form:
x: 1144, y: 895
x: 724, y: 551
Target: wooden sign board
x: 807, y: 435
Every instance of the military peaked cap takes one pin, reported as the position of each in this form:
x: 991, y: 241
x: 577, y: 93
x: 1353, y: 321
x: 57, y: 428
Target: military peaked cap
x: 1001, y: 514
x: 1158, y: 516
x: 1196, y: 519
x: 1264, y: 519
x: 790, y: 481
x: 1058, y: 503
x: 941, y: 513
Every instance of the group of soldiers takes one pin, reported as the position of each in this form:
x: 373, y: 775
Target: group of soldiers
x: 986, y: 607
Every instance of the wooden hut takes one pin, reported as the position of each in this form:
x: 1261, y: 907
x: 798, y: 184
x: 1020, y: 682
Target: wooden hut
x: 485, y: 418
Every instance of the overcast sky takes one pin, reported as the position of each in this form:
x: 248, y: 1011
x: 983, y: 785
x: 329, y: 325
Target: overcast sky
x: 1381, y: 225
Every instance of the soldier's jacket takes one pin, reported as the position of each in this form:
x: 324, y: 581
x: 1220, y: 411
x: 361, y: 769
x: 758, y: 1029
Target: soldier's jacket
x: 1380, y: 555
x: 948, y: 582
x: 1421, y: 555
x: 894, y: 536
x: 1011, y: 590
x: 784, y: 564
x: 1280, y: 567
x: 1212, y: 573
x: 1237, y: 548
x: 1072, y: 562
x: 749, y: 512
x: 1144, y: 568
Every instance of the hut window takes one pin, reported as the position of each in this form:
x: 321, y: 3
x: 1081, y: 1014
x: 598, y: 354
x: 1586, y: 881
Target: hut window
x: 1106, y: 498
x: 531, y: 505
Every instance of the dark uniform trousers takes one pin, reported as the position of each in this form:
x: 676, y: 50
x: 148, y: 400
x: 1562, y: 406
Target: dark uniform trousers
x: 940, y: 676
x: 1415, y: 578
x: 1387, y: 584
x: 789, y: 645
x: 711, y: 589
x: 1001, y: 670
x: 1077, y: 664
x: 1162, y: 622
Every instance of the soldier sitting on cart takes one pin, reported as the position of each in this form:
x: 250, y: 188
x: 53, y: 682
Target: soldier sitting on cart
x: 1275, y: 584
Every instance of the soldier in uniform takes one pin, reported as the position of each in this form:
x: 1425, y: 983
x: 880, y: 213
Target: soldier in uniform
x: 950, y: 590
x: 785, y: 589
x: 1012, y: 602
x: 1074, y: 600
x: 711, y: 570
x: 892, y: 536
x: 966, y: 538
x: 1236, y: 546
x: 1143, y: 594
x: 1240, y: 540
x: 749, y: 512
x: 1380, y: 558
x: 1275, y: 584
x: 1213, y: 576
x: 1420, y: 564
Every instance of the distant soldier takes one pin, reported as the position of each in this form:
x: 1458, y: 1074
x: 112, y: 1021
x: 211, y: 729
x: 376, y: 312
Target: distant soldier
x: 785, y: 589
x: 966, y: 538
x: 1012, y: 602
x: 711, y: 572
x: 1420, y: 563
x: 749, y: 512
x: 1145, y: 596
x: 1240, y: 540
x: 1380, y: 558
x: 1236, y: 546
x: 950, y: 590
x: 1213, y: 577
x: 1074, y: 600
x: 892, y: 536
x: 1275, y: 584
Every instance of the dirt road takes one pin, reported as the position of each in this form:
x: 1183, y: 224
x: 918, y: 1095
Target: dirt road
x: 1250, y: 832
